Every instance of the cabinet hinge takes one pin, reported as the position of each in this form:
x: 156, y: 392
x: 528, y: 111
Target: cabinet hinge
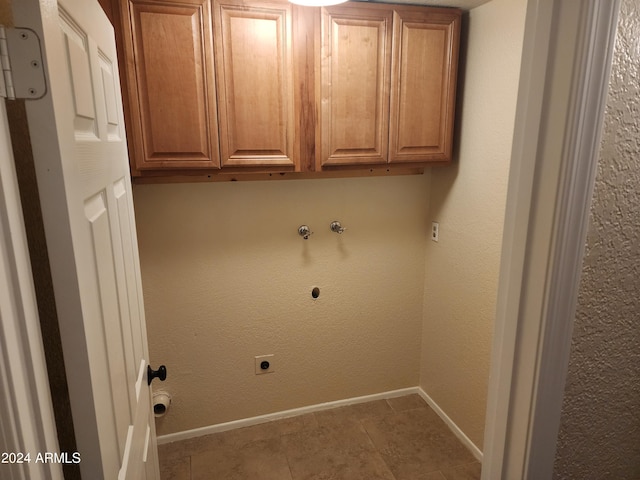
x: 21, y: 62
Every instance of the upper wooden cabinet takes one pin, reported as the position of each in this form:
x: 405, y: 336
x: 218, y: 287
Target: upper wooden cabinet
x: 253, y: 49
x: 169, y: 73
x: 355, y: 69
x: 388, y: 78
x: 423, y: 84
x: 214, y: 86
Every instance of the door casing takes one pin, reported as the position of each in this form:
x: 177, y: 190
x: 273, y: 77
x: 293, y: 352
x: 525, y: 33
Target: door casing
x: 525, y: 391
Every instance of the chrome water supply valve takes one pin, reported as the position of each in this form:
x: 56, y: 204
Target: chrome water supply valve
x: 336, y: 227
x: 304, y: 231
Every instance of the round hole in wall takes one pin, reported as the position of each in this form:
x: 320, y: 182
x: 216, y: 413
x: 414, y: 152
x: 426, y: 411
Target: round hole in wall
x: 315, y: 293
x: 159, y: 409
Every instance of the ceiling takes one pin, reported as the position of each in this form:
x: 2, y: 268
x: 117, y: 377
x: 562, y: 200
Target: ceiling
x: 463, y: 4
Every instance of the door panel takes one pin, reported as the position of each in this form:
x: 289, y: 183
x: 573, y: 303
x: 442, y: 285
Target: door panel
x: 110, y: 94
x: 356, y: 62
x: 255, y: 83
x: 107, y: 344
x: 77, y: 57
x: 425, y: 59
x: 171, y: 85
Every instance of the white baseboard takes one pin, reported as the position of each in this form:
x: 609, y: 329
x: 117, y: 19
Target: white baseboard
x: 452, y: 426
x: 247, y: 422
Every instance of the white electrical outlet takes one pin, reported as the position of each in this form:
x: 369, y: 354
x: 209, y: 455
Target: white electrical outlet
x: 435, y: 231
x: 265, y: 364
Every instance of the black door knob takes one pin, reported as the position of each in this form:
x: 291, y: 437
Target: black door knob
x: 160, y: 373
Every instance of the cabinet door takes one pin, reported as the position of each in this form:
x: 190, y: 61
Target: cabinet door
x: 169, y: 63
x: 255, y: 83
x: 425, y: 59
x: 355, y: 65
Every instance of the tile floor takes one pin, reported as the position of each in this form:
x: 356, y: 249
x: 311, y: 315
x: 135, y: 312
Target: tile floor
x: 397, y: 439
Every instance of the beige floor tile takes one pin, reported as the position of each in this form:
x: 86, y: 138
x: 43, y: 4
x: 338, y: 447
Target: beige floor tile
x: 258, y: 460
x: 274, y: 429
x: 395, y: 439
x: 349, y: 437
x: 194, y: 445
x: 415, y: 443
x: 334, y: 452
x: 469, y: 471
x: 175, y: 468
x: 296, y: 424
x: 236, y: 437
x: 434, y: 476
x: 174, y: 451
x: 408, y: 402
x: 358, y: 411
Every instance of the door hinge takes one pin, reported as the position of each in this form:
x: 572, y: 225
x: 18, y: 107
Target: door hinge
x: 22, y: 66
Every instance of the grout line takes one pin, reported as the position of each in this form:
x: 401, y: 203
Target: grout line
x: 286, y: 455
x: 390, y: 406
x: 375, y: 447
x: 362, y: 425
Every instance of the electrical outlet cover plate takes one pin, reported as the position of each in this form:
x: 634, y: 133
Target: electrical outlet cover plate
x: 265, y: 358
x: 435, y: 231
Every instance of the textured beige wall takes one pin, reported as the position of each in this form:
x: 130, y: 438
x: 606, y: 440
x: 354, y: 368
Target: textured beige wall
x: 469, y: 202
x: 600, y: 425
x: 226, y: 277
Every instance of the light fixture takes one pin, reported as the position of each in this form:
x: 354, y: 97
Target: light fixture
x: 317, y: 3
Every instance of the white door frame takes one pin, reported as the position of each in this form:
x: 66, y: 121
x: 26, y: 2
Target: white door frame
x: 564, y: 79
x: 558, y: 123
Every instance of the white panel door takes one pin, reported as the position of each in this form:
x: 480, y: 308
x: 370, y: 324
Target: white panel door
x: 78, y: 138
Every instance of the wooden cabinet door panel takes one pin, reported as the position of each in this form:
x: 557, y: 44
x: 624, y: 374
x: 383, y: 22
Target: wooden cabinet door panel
x: 424, y: 83
x: 171, y: 76
x: 355, y: 65
x: 255, y: 83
